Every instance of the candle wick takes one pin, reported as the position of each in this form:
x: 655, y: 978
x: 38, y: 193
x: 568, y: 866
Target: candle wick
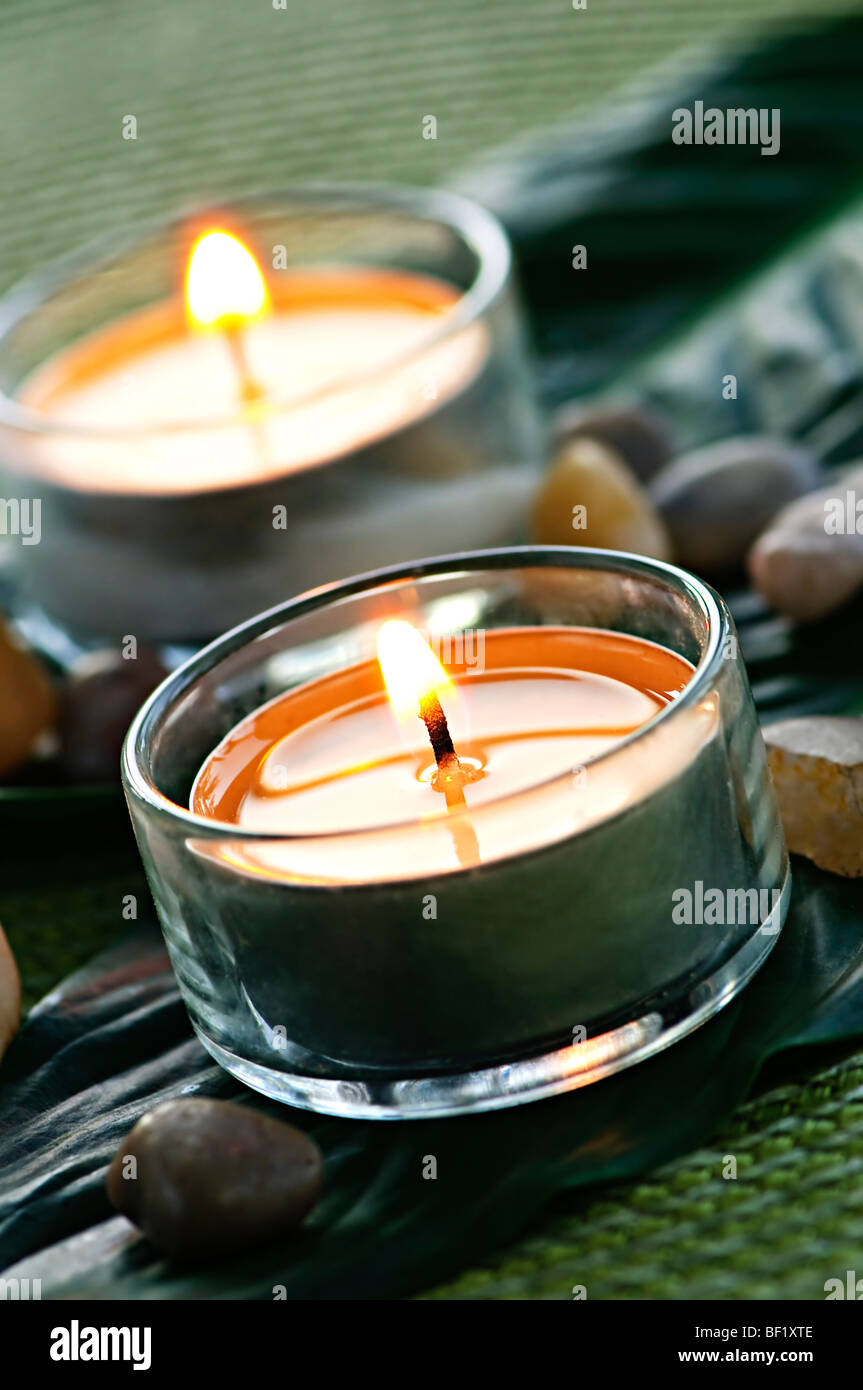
x: 251, y: 390
x: 432, y: 715
x: 450, y: 774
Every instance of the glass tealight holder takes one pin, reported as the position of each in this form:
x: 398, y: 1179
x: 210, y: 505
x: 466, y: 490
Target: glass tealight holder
x: 174, y: 531
x: 546, y: 968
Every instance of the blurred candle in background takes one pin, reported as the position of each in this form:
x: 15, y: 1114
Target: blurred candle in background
x: 203, y: 455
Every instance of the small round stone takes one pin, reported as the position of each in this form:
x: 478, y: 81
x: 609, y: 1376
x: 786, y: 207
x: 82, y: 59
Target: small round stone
x: 717, y: 499
x: 204, y: 1177
x: 103, y: 693
x: 590, y: 497
x: 809, y: 561
x: 28, y: 705
x: 10, y: 994
x: 641, y: 437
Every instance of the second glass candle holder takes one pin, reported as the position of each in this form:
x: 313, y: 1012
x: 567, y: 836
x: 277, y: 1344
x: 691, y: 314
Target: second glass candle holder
x: 391, y: 410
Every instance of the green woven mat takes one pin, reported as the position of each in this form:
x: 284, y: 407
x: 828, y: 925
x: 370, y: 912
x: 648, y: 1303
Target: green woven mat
x: 231, y: 97
x: 790, y: 1219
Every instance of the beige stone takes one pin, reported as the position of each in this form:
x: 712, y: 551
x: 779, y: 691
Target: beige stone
x: 590, y: 497
x: 804, y: 567
x: 817, y: 767
x: 27, y: 702
x: 10, y: 994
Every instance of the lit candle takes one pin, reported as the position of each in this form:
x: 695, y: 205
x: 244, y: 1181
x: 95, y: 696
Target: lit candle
x: 401, y: 874
x: 374, y: 747
x: 292, y: 371
x: 203, y: 455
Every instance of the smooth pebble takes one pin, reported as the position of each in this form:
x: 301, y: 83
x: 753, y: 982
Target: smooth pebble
x: 103, y: 693
x: 28, y: 705
x: 640, y: 436
x: 210, y: 1177
x: 590, y: 497
x: 717, y: 499
x: 802, y: 564
x: 10, y: 994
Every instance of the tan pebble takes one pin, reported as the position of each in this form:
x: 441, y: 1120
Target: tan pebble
x: 27, y: 702
x: 10, y: 994
x: 817, y: 768
x: 590, y: 497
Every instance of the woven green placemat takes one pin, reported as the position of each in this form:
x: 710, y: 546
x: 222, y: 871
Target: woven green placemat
x: 229, y: 98
x: 791, y: 1219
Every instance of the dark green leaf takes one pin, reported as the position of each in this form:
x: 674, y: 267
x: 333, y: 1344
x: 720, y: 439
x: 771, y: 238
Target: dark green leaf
x: 668, y: 227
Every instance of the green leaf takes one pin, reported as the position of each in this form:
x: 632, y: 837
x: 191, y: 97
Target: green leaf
x: 792, y: 337
x: 669, y: 227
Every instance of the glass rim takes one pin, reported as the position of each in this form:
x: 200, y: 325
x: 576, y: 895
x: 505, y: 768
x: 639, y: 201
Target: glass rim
x: 475, y: 225
x: 138, y: 784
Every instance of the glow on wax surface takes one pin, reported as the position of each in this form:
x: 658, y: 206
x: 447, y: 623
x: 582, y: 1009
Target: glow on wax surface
x: 336, y: 759
x: 240, y: 380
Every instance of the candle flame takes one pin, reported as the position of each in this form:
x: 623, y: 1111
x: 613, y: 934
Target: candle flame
x: 410, y: 669
x: 224, y: 286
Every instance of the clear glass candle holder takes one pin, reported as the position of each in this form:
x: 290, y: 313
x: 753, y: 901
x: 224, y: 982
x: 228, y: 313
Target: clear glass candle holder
x: 436, y: 448
x: 547, y: 968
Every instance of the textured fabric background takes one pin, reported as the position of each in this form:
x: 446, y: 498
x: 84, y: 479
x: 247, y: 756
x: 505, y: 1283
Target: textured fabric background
x: 234, y: 95
x: 792, y: 1218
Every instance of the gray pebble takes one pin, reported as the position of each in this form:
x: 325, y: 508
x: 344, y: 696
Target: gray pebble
x: 102, y: 695
x: 638, y: 435
x: 717, y: 499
